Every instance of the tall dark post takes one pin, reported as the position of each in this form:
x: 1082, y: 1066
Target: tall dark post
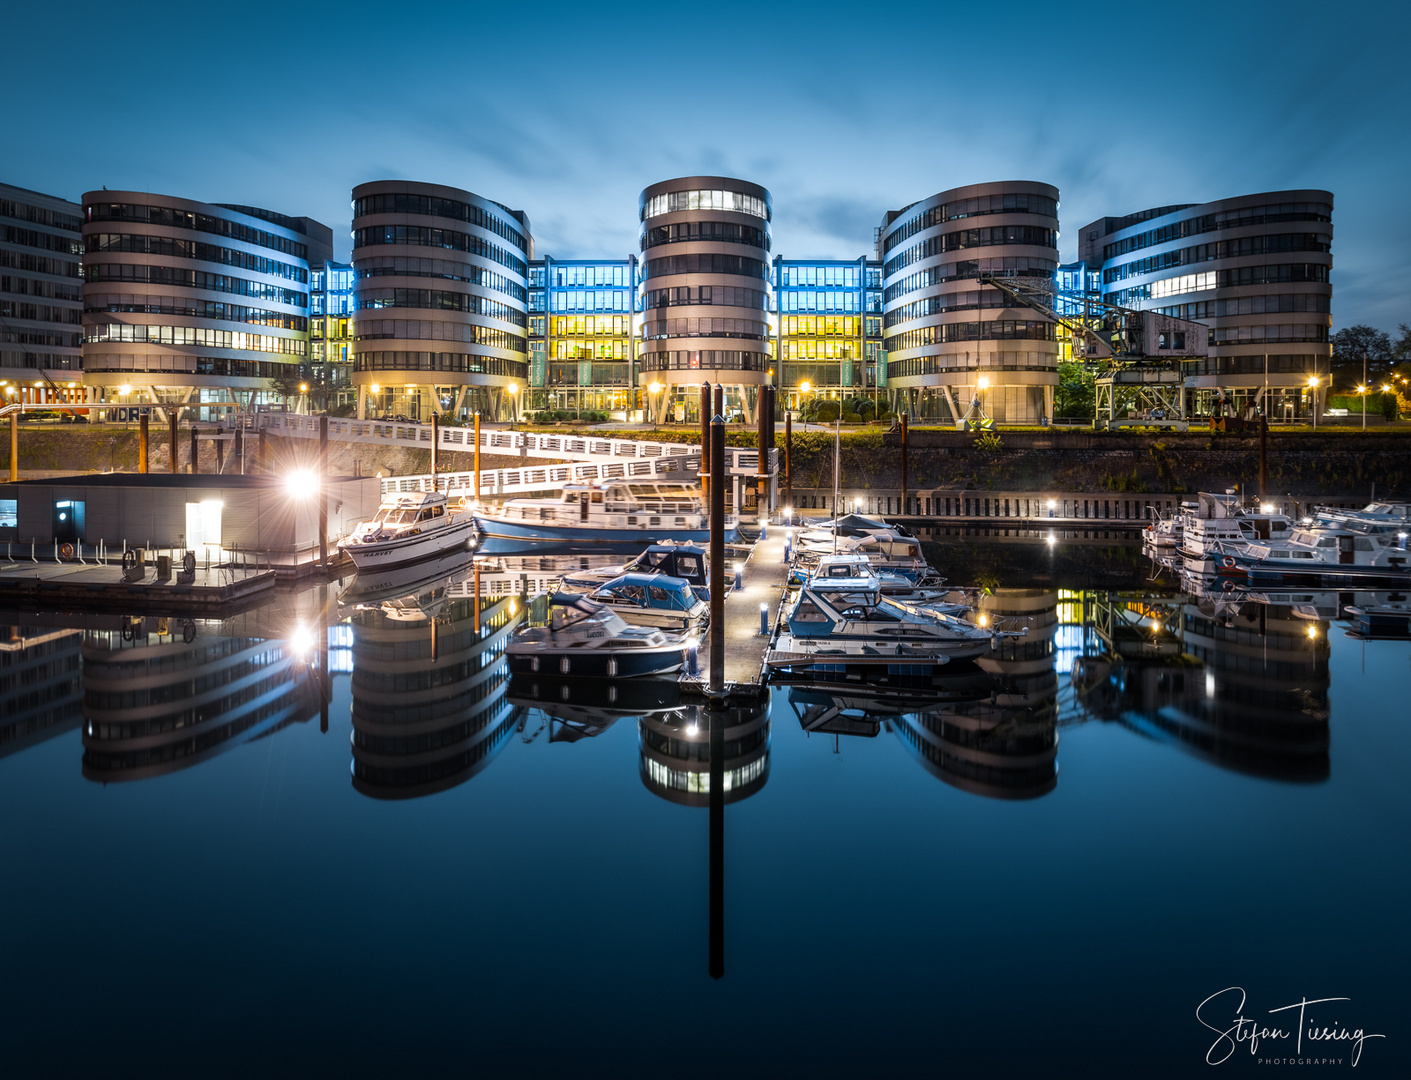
x: 905, y: 462
x: 762, y: 445
x: 323, y: 490
x: 220, y: 449
x: 717, y: 840
x: 325, y: 680
x: 706, y: 414
x: 261, y: 454
x: 435, y: 446
x: 1264, y: 454
x: 142, y: 434
x: 14, y: 447
x: 195, y: 465
x: 171, y: 440
x: 718, y: 573
x: 788, y: 459
x: 476, y: 464
x: 240, y: 448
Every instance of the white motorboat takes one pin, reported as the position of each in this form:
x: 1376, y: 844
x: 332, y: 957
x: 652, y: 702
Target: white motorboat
x: 1220, y: 527
x: 408, y: 528
x: 850, y: 526
x: 853, y: 565
x: 586, y: 639
x: 674, y: 558
x: 1311, y: 553
x: 653, y: 600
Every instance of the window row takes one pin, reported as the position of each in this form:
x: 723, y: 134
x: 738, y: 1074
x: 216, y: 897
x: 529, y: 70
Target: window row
x: 810, y: 325
x: 816, y: 349
x: 425, y: 236
x: 1235, y: 335
x: 1278, y: 274
x: 715, y: 232
x: 141, y: 244
x: 48, y: 290
x: 194, y: 279
x: 719, y: 295
x: 705, y: 360
x: 659, y: 329
x: 1251, y: 305
x: 365, y: 329
x: 962, y: 368
x: 462, y: 363
x: 1017, y: 203
x: 434, y: 206
x: 190, y: 365
x: 186, y: 219
x: 998, y: 330
x: 736, y: 201
x: 1254, y: 365
x: 970, y: 268
x: 1219, y: 249
x: 813, y: 274
x: 434, y: 299
x: 704, y: 264
x: 40, y: 215
x: 970, y: 300
x: 590, y: 300
x: 40, y: 264
x: 411, y: 266
x: 823, y: 299
x: 618, y: 325
x: 589, y: 275
x: 190, y: 307
x: 192, y: 335
x: 50, y: 313
x: 53, y: 339
x: 1226, y: 219
x: 995, y: 236
x: 42, y: 241
x: 590, y: 349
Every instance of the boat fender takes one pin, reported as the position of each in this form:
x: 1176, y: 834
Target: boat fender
x: 188, y: 562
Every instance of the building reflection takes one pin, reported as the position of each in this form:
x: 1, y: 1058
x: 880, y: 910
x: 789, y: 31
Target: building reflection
x: 164, y: 694
x: 40, y: 685
x: 428, y: 685
x: 563, y: 710
x: 674, y: 748
x: 1236, y: 682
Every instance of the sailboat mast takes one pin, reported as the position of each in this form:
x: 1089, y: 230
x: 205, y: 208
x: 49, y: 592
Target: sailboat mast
x: 837, y: 477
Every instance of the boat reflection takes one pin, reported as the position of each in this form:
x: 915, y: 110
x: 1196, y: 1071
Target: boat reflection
x: 428, y: 684
x: 561, y: 702
x: 674, y: 748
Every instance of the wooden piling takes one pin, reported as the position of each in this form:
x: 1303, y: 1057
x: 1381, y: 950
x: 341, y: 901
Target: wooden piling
x: 905, y: 460
x: 718, y: 572
x: 706, y: 414
x: 195, y: 465
x: 172, y: 448
x: 477, y: 458
x: 142, y: 435
x: 14, y: 447
x: 435, y: 445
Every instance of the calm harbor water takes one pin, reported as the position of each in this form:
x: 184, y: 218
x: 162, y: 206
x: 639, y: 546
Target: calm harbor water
x: 330, y: 835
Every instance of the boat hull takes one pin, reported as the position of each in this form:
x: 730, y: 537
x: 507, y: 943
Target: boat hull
x: 509, y: 537
x: 597, y: 663
x: 404, y: 551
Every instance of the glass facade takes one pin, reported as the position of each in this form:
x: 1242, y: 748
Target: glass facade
x: 828, y: 329
x: 582, y: 341
x: 331, y: 332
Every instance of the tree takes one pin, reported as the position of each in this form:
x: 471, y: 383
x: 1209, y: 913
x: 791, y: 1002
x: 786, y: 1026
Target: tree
x: 1077, y: 394
x: 1354, y: 343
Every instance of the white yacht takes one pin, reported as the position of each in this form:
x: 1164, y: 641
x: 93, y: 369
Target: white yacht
x: 1220, y: 528
x: 585, y: 639
x: 853, y: 565
x: 408, y: 528
x: 1320, y: 553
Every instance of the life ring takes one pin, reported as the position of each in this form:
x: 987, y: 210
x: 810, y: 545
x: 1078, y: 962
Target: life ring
x: 1228, y: 585
x: 129, y: 559
x: 188, y: 562
x: 188, y: 630
x: 129, y: 630
x: 1228, y: 562
x: 66, y: 551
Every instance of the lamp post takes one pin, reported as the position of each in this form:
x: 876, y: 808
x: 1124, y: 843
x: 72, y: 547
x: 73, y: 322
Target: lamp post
x: 1313, y: 393
x: 804, y: 388
x: 652, y: 391
x: 1363, y: 391
x: 513, y: 389
x: 374, y: 390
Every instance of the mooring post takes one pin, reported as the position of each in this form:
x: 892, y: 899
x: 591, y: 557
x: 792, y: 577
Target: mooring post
x: 171, y: 441
x: 477, y: 457
x: 435, y: 443
x: 142, y: 430
x: 220, y: 449
x: 323, y: 490
x: 1264, y: 454
x: 905, y: 462
x: 706, y: 414
x: 717, y: 557
x: 240, y: 448
x: 195, y: 459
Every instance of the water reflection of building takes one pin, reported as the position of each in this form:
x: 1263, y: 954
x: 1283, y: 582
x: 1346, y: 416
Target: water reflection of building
x: 429, y: 706
x: 572, y: 709
x: 675, y: 753
x: 1003, y: 744
x: 160, y: 695
x: 40, y: 689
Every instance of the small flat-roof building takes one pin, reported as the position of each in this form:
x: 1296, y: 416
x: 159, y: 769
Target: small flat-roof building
x: 210, y: 515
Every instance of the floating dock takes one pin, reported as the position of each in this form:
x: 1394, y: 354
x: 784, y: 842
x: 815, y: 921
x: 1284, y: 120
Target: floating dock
x: 94, y: 586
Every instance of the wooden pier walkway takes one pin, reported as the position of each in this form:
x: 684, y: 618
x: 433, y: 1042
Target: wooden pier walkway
x: 765, y: 575
x: 94, y: 585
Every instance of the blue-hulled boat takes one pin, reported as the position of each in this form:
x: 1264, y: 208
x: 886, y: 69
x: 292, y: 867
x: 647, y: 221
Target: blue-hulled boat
x: 585, y: 639
x: 653, y: 600
x: 674, y: 558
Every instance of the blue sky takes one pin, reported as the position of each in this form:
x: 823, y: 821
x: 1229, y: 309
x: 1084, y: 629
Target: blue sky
x: 841, y: 110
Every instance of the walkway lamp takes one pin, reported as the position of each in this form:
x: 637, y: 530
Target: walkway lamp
x: 652, y: 391
x: 1313, y: 394
x: 513, y: 389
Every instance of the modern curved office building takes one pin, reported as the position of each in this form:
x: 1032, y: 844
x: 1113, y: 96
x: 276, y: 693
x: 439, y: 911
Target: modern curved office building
x: 705, y: 290
x: 950, y: 339
x: 441, y: 299
x: 1256, y: 269
x: 193, y: 303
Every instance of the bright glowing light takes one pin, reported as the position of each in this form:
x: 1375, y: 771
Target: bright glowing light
x: 805, y: 387
x: 1313, y: 381
x: 1051, y: 540
x: 692, y: 730
x: 124, y: 390
x: 302, y: 641
x: 1156, y: 627
x: 984, y: 383
x: 303, y: 388
x: 301, y: 483
x: 1361, y: 389
x: 983, y: 619
x: 1312, y: 632
x: 1385, y: 389
x: 1209, y: 684
x: 655, y: 388
x: 1266, y: 508
x: 1053, y: 504
x: 375, y: 388
x: 514, y: 606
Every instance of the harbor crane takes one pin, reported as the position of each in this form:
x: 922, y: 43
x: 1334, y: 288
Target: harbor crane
x: 1135, y: 355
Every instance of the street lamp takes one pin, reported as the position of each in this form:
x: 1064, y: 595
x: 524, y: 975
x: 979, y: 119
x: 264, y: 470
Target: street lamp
x: 1363, y: 391
x: 1313, y: 392
x: 513, y: 388
x: 804, y: 388
x: 652, y: 391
